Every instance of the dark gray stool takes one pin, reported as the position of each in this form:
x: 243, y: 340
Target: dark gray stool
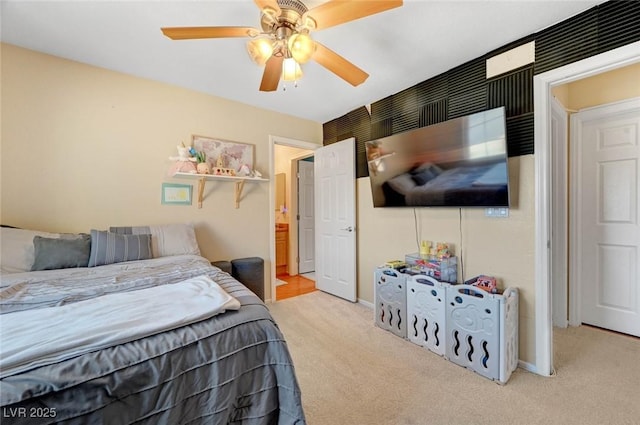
x: 225, y: 266
x: 250, y: 271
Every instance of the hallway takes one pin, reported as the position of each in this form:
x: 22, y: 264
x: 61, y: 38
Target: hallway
x: 296, y: 285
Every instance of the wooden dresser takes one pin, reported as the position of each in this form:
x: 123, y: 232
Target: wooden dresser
x: 282, y: 248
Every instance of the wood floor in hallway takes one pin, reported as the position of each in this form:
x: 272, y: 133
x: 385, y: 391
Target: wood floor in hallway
x: 296, y: 285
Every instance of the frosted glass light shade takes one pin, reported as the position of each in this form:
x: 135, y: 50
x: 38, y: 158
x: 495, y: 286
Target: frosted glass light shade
x: 291, y: 70
x: 260, y: 50
x: 301, y: 47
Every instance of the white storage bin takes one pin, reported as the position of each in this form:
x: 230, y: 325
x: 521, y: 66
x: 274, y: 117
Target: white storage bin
x: 482, y: 330
x: 426, y: 312
x: 391, y: 301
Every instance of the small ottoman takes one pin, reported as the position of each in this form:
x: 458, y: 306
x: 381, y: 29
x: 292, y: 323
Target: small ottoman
x: 250, y: 271
x: 225, y: 266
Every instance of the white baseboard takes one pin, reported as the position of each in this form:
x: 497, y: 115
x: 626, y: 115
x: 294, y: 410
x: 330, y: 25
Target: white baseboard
x: 528, y: 366
x: 365, y: 303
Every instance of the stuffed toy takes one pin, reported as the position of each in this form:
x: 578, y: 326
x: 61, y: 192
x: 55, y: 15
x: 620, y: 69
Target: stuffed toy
x: 184, y: 162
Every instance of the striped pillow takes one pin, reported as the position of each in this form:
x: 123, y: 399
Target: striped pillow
x: 166, y: 239
x: 109, y: 248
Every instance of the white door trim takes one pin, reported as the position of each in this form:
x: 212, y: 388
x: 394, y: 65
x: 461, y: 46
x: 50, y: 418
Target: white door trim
x: 559, y: 250
x: 278, y: 140
x: 577, y: 120
x: 295, y: 170
x: 542, y: 84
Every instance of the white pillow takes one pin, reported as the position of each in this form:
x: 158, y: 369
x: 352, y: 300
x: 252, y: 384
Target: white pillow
x: 17, y: 253
x: 402, y: 183
x: 166, y: 239
x: 173, y: 239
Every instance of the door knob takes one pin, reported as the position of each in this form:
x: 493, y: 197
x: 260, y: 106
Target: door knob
x: 348, y: 229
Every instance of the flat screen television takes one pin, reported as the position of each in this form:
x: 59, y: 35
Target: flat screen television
x: 461, y: 162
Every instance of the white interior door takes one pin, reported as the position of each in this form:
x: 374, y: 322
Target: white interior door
x: 608, y: 203
x: 306, y: 221
x: 336, y: 219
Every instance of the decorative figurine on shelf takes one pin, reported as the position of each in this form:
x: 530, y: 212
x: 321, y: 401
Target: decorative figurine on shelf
x: 220, y: 162
x: 184, y: 162
x: 244, y: 171
x: 220, y: 168
x: 202, y: 167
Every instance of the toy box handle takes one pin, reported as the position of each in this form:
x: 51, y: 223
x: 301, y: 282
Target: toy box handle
x: 425, y: 280
x: 390, y: 272
x: 471, y: 290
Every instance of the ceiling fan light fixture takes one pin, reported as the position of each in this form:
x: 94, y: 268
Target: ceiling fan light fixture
x: 291, y: 70
x: 270, y: 15
x: 309, y: 23
x: 301, y: 47
x: 260, y: 50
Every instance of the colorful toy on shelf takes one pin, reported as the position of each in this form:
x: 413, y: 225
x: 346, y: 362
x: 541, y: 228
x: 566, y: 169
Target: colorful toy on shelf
x: 395, y: 264
x: 425, y: 247
x: 488, y: 283
x: 184, y: 162
x: 443, y: 250
x: 221, y: 168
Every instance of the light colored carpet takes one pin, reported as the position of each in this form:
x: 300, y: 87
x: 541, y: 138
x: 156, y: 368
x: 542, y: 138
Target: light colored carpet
x: 352, y: 372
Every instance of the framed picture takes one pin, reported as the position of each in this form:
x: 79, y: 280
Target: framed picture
x: 176, y: 194
x: 223, y: 154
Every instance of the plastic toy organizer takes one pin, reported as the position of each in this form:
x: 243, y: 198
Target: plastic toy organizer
x: 426, y: 314
x: 464, y: 324
x: 482, y: 330
x: 443, y: 269
x: 391, y: 301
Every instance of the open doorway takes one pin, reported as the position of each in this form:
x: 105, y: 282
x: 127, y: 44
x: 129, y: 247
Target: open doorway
x: 291, y: 216
x: 546, y: 187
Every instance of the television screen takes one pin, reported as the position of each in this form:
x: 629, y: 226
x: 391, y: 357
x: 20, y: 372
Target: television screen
x: 456, y: 163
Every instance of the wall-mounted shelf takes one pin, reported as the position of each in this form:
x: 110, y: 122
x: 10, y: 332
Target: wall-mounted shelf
x: 202, y: 179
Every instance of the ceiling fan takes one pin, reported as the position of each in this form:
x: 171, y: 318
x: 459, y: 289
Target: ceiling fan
x: 284, y: 42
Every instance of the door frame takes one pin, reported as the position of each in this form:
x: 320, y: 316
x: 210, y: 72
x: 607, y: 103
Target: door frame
x: 273, y: 141
x: 295, y: 167
x: 544, y: 188
x: 560, y: 205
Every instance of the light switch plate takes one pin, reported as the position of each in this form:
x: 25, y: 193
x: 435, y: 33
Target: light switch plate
x: 496, y: 212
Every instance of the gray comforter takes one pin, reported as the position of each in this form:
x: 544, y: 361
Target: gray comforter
x: 232, y: 368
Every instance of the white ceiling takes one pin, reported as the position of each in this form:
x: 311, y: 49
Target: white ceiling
x: 398, y: 48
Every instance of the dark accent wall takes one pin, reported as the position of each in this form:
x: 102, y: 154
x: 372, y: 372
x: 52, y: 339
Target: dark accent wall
x: 465, y: 89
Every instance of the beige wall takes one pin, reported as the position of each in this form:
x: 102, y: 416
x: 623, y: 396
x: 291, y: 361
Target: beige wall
x: 608, y: 87
x: 500, y: 247
x: 84, y: 147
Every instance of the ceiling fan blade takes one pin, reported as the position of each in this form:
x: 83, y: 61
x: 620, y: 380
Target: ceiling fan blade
x: 336, y: 12
x: 272, y: 73
x: 187, y: 33
x: 339, y: 65
x: 273, y: 4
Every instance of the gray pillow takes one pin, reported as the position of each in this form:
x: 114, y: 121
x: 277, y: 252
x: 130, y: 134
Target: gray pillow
x: 425, y: 173
x: 61, y: 253
x: 109, y: 248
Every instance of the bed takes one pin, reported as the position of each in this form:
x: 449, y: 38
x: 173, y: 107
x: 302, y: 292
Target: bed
x: 461, y: 185
x: 138, y: 365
